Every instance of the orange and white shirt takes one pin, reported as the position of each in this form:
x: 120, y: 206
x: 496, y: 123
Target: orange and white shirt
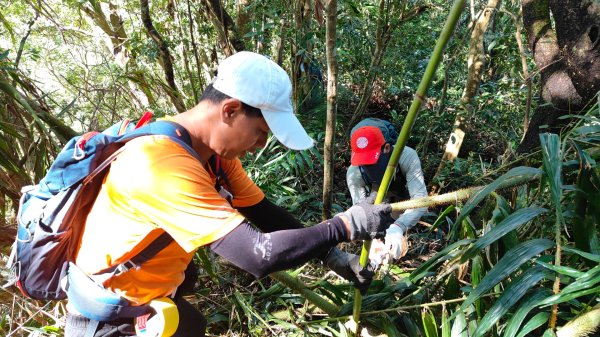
x: 156, y: 185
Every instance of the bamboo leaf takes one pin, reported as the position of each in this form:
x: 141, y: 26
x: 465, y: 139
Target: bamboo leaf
x: 440, y: 218
x: 410, y: 325
x: 563, y: 270
x: 550, y: 144
x: 561, y: 298
x: 510, y: 223
x: 589, y: 256
x: 445, y: 323
x: 513, y: 259
x: 429, y: 323
x: 531, y: 301
x: 513, y: 293
x: 459, y: 328
x: 586, y: 198
x: 588, y: 279
x: 517, y: 172
x: 535, y: 322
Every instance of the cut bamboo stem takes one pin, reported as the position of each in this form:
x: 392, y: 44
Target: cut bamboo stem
x: 434, y: 61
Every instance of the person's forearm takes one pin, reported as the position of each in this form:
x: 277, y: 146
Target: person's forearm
x: 263, y: 253
x: 269, y: 217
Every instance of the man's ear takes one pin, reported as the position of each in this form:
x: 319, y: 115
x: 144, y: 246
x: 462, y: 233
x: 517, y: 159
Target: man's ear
x: 230, y: 108
x: 387, y: 148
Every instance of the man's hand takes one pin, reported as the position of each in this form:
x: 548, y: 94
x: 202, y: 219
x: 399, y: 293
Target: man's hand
x: 393, y: 247
x: 348, y: 266
x: 367, y: 221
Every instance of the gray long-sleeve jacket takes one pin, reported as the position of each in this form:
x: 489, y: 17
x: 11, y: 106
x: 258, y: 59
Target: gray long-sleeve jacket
x: 410, y: 166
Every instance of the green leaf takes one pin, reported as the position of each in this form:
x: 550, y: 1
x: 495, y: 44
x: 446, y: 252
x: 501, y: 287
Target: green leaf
x: 513, y: 259
x: 530, y: 302
x: 550, y: 144
x: 441, y: 218
x: 589, y: 256
x: 561, y: 298
x: 429, y: 323
x: 459, y: 328
x: 535, y: 322
x: 513, y: 293
x: 586, y: 280
x: 445, y: 323
x: 563, y: 270
x: 510, y: 223
x: 517, y: 172
x: 411, y: 326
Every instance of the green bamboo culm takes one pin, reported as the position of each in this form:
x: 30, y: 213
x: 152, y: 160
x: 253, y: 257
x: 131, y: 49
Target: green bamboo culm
x: 405, y: 131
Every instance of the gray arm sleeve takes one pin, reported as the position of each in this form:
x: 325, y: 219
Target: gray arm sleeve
x: 356, y: 185
x: 410, y: 166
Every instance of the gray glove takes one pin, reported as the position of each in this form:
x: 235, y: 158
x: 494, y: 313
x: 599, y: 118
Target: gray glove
x: 348, y: 266
x: 368, y: 221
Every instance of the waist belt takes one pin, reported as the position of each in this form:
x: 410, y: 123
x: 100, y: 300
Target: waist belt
x: 96, y: 303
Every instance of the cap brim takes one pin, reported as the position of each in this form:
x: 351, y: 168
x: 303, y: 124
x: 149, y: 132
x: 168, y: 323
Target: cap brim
x: 287, y: 129
x: 365, y: 158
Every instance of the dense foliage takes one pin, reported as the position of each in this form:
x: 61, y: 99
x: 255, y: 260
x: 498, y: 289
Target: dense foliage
x: 518, y: 261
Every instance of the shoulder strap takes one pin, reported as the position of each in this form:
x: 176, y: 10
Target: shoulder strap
x: 178, y: 134
x: 215, y: 165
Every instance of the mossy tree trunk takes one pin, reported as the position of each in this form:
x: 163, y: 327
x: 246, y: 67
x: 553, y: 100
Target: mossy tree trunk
x: 564, y: 38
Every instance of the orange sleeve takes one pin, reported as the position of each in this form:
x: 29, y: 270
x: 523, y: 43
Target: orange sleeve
x: 244, y: 190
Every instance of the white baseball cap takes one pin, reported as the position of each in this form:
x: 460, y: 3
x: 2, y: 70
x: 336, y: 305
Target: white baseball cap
x: 261, y: 83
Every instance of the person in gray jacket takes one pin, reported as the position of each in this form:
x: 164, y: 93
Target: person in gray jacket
x: 372, y: 142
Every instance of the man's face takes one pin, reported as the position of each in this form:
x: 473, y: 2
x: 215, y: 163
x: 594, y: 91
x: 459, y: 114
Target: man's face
x: 245, y: 134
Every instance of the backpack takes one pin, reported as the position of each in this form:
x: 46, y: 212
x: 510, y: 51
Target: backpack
x: 52, y: 213
x: 387, y: 128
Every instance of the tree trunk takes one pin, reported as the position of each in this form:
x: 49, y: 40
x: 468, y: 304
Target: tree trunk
x: 300, y: 47
x: 329, y: 148
x: 243, y: 17
x: 199, y: 73
x: 567, y: 57
x: 165, y: 57
x: 475, y: 66
x: 229, y: 40
x: 114, y: 29
x: 186, y: 53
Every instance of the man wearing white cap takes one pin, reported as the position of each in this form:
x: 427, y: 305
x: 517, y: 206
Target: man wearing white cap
x: 157, y: 186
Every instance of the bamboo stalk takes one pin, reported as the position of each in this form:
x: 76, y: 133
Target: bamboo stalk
x: 462, y: 194
x: 406, y: 127
x: 297, y: 285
